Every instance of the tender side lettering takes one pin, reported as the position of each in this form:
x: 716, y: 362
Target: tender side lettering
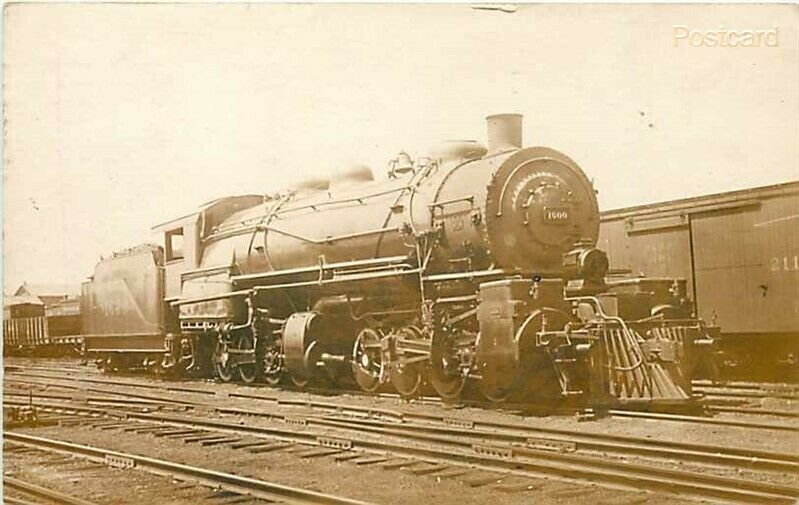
x: 784, y: 263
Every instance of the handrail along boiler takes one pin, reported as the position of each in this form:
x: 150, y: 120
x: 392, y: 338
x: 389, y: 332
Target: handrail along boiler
x: 475, y: 265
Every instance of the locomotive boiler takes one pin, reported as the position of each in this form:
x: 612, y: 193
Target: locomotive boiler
x: 473, y: 265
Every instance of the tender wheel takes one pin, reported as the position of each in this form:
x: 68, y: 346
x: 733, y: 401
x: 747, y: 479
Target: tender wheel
x: 408, y: 378
x: 446, y: 373
x: 367, y: 360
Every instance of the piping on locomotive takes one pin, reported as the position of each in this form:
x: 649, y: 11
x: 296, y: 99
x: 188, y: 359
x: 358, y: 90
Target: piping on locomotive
x: 475, y: 265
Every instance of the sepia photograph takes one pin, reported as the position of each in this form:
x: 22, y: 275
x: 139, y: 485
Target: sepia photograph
x: 400, y: 253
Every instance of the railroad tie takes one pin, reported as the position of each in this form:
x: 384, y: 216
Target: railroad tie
x: 428, y: 469
x: 370, y: 460
x: 200, y: 438
x: 318, y: 453
x: 113, y: 426
x: 104, y: 423
x: 136, y: 427
x: 296, y: 448
x: 219, y: 441
x: 402, y: 463
x: 347, y: 456
x: 452, y: 474
x: 177, y: 433
x: 148, y: 429
x: 274, y: 446
x: 250, y: 443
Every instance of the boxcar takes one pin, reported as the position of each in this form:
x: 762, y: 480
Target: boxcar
x: 739, y: 252
x: 24, y: 327
x: 30, y: 328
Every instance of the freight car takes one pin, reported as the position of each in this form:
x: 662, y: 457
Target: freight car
x: 474, y: 265
x: 31, y: 329
x: 739, y: 252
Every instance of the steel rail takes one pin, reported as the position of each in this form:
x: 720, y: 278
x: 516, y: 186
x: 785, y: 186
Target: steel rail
x: 9, y: 500
x: 526, y: 461
x: 236, y: 483
x: 745, y: 394
x: 702, y: 420
x: 753, y: 411
x: 764, y: 386
x: 32, y: 489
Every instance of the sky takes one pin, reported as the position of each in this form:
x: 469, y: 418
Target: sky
x: 119, y: 117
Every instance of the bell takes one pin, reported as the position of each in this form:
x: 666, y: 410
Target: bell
x: 403, y: 163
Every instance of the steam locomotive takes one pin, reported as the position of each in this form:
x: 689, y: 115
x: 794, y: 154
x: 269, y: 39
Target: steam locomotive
x: 472, y: 266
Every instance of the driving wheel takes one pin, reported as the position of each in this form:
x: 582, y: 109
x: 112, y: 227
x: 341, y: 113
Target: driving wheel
x: 408, y: 377
x: 447, y: 375
x: 367, y: 360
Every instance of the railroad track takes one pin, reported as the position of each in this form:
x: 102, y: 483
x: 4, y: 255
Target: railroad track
x: 696, y: 419
x: 550, y: 438
x: 267, y: 491
x: 504, y: 451
x: 103, y: 380
x: 495, y: 457
x: 747, y: 398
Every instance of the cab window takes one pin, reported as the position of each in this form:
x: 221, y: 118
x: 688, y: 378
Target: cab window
x: 174, y: 244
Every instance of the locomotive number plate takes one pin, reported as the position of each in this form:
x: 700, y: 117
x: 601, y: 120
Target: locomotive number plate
x: 556, y: 215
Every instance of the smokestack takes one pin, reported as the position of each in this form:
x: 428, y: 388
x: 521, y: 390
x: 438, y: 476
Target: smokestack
x: 504, y: 132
